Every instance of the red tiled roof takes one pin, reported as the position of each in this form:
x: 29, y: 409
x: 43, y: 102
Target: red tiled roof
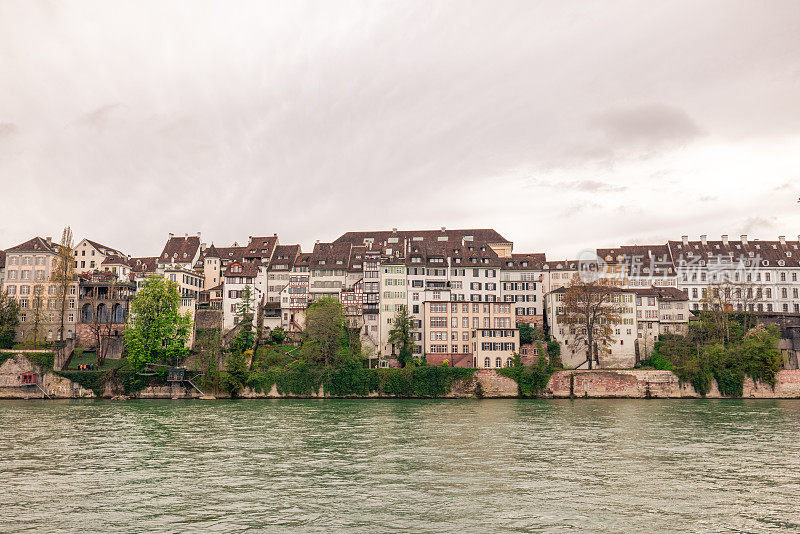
x: 144, y: 265
x: 180, y: 249
x: 248, y: 269
x: 260, y: 247
x: 104, y: 249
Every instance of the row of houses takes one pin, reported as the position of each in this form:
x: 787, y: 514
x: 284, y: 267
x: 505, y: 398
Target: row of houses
x: 465, y: 289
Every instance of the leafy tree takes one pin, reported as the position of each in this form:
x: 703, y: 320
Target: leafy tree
x: 63, y: 276
x: 237, y: 372
x: 9, y: 320
x: 591, y: 312
x: 400, y: 336
x: 246, y: 337
x: 278, y: 335
x: 158, y: 331
x: 324, y: 333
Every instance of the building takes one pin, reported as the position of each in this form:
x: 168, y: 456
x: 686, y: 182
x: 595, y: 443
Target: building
x: 469, y: 334
x: 522, y: 285
x: 621, y: 353
x: 181, y: 252
x: 28, y: 274
x: 90, y: 255
x: 104, y: 303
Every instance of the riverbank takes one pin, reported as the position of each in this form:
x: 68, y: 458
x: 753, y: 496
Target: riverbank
x: 482, y: 383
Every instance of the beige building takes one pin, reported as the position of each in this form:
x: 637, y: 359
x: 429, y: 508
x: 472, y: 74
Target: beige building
x: 28, y: 274
x: 90, y: 255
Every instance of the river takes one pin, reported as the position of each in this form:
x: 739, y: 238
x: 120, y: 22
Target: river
x: 400, y: 465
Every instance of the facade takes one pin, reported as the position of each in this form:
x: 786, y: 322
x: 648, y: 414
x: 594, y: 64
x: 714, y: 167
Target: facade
x: 104, y: 302
x: 469, y: 334
x: 622, y: 351
x: 28, y: 274
x: 90, y: 255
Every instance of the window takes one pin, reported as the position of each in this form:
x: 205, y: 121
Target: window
x: 498, y: 362
x: 487, y: 362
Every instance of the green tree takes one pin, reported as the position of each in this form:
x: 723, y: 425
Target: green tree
x: 246, y: 337
x: 324, y: 333
x: 63, y: 276
x: 401, y: 336
x: 9, y: 320
x: 158, y: 332
x: 236, y: 372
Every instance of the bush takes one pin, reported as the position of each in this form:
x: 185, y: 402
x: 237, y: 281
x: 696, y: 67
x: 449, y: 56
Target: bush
x: 532, y: 380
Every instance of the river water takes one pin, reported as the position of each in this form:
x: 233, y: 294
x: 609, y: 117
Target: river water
x: 400, y: 465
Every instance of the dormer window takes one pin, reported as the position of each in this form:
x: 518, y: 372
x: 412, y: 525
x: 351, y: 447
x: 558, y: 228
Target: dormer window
x: 338, y: 262
x: 524, y: 263
x: 322, y: 262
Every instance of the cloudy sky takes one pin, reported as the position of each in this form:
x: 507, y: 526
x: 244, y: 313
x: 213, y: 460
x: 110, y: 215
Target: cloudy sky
x: 563, y: 125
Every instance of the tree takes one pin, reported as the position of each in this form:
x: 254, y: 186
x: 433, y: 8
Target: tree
x: 9, y: 320
x: 591, y: 311
x: 401, y: 335
x: 246, y: 338
x: 529, y: 333
x: 63, y: 276
x: 278, y: 335
x: 325, y: 330
x: 37, y: 314
x: 158, y: 332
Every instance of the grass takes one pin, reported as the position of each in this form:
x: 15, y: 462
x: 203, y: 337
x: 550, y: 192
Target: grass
x: 91, y: 358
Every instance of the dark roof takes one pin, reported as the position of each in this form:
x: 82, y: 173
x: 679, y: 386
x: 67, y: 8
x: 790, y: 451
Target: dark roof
x: 521, y: 262
x: 248, y: 269
x: 331, y: 255
x: 210, y: 252
x: 561, y: 265
x: 2, y: 258
x: 180, y: 249
x: 260, y: 247
x: 37, y: 244
x: 144, y: 265
x: 303, y: 259
x: 381, y: 237
x: 356, y: 262
x: 647, y: 260
x: 114, y: 259
x: 770, y: 253
x: 284, y: 256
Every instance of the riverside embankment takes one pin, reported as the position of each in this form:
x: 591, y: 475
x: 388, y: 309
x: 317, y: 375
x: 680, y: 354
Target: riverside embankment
x: 483, y: 383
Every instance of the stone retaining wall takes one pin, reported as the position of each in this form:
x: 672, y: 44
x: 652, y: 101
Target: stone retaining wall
x: 483, y: 383
x: 637, y: 383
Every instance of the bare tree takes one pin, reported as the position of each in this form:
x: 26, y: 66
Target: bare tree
x: 591, y: 310
x: 37, y: 313
x: 63, y: 276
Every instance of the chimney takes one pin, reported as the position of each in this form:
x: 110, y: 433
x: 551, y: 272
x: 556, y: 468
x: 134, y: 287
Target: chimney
x: 171, y: 235
x: 185, y: 235
x: 725, y: 239
x: 198, y: 234
x: 394, y: 230
x: 782, y: 239
x: 744, y: 239
x: 685, y: 239
x: 49, y: 240
x: 443, y: 228
x: 704, y: 239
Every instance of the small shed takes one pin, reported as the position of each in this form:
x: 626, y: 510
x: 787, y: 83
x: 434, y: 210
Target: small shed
x: 28, y: 379
x: 176, y: 375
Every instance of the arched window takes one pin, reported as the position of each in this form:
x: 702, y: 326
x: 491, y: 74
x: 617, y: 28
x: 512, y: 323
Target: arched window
x: 498, y: 362
x: 116, y: 314
x: 487, y: 362
x: 510, y: 362
x: 103, y: 316
x: 86, y: 313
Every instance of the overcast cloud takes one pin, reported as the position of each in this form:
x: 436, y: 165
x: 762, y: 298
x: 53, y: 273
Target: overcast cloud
x: 563, y: 125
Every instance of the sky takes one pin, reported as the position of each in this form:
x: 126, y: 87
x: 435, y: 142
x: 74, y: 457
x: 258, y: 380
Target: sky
x: 565, y: 126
